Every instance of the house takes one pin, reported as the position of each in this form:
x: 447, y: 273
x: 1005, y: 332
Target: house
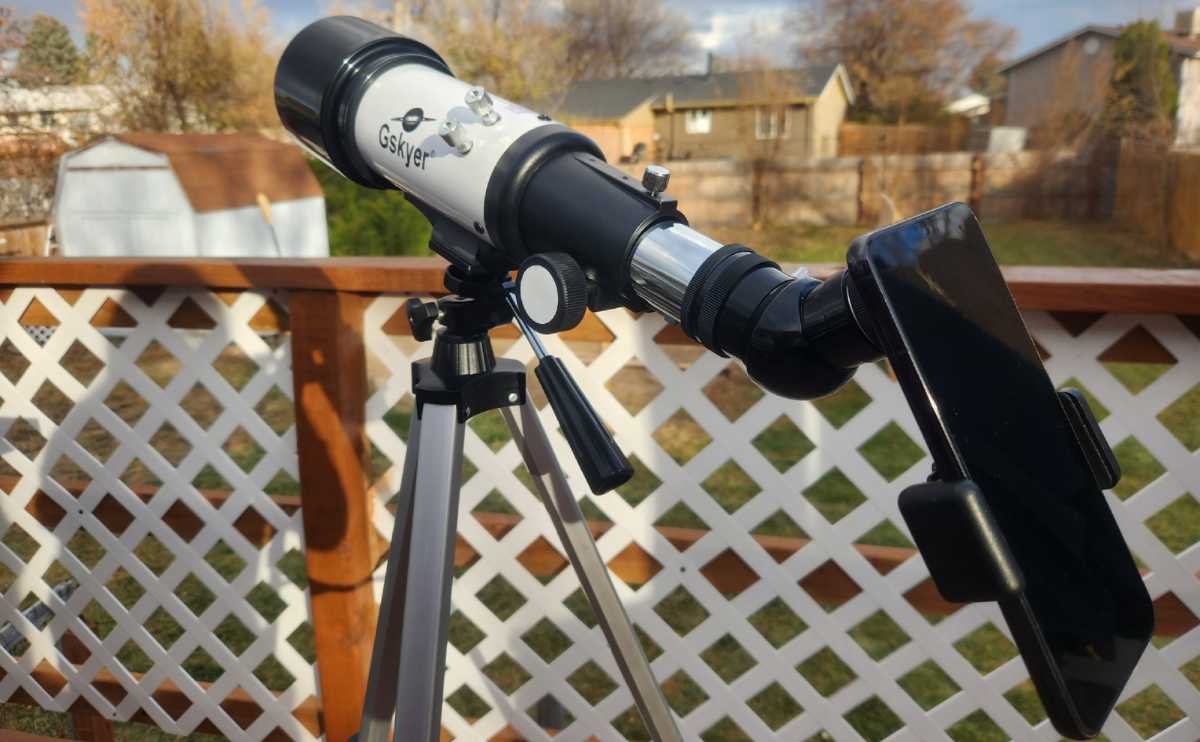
x: 972, y: 106
x: 64, y: 111
x: 741, y: 115
x: 1070, y: 76
x: 203, y: 195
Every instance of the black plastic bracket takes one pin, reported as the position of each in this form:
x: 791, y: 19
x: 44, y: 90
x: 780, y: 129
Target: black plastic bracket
x: 1092, y: 442
x: 966, y: 554
x: 502, y: 386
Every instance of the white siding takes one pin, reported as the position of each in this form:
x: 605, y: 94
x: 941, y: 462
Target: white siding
x: 301, y: 227
x: 244, y: 233
x: 1187, y: 119
x: 101, y: 210
x: 117, y: 200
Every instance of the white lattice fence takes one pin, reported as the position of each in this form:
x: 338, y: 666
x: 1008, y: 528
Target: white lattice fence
x: 149, y: 462
x: 756, y: 639
x: 140, y: 441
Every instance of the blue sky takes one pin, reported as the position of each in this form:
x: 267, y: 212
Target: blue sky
x: 719, y: 23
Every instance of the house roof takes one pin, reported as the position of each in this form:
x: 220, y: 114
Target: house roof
x: 613, y: 99
x: 229, y: 171
x: 1186, y: 46
x: 54, y: 98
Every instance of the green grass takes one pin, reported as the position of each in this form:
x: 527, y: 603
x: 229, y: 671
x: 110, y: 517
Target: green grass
x: 1013, y: 243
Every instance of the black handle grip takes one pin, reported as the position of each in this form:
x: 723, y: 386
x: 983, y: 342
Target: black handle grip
x: 603, y: 464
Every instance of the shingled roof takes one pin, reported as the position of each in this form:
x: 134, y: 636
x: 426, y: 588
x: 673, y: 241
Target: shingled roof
x: 1185, y: 46
x: 228, y: 171
x: 613, y: 99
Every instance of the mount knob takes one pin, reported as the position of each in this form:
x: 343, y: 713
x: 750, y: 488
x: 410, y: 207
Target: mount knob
x: 421, y: 316
x: 553, y: 292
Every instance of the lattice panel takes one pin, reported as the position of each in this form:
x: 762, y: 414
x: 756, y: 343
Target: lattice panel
x: 761, y: 553
x: 149, y: 473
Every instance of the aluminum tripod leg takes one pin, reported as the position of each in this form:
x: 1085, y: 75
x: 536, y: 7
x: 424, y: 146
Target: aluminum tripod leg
x: 593, y: 575
x: 408, y: 660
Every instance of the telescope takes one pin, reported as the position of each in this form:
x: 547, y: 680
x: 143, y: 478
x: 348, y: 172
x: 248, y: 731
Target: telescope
x: 1013, y: 511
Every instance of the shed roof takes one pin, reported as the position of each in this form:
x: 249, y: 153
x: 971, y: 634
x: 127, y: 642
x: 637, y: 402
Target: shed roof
x: 1186, y: 46
x: 228, y: 171
x: 613, y: 99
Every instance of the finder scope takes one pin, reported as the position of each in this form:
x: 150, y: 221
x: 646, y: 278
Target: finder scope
x: 502, y: 184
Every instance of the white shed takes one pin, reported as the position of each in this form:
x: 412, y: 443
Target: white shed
x: 188, y: 195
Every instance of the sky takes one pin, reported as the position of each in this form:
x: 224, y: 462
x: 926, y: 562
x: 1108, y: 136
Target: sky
x: 721, y: 25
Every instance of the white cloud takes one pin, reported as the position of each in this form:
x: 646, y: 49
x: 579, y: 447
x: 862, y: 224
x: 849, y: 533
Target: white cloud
x: 757, y: 27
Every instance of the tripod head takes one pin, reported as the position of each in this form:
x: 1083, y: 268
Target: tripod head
x: 464, y: 367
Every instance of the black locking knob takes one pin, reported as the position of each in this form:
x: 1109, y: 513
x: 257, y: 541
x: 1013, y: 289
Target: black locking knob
x: 553, y: 292
x: 421, y: 316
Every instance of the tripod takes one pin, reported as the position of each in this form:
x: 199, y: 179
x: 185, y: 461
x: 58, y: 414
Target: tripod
x: 461, y: 379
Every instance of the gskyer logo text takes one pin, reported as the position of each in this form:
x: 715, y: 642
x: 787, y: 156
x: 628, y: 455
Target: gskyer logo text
x: 408, y: 153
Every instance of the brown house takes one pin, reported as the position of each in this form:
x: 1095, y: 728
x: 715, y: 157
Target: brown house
x: 740, y: 115
x: 1069, y: 77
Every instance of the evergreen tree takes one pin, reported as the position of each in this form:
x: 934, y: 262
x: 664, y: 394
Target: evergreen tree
x: 48, y: 55
x: 1142, y: 94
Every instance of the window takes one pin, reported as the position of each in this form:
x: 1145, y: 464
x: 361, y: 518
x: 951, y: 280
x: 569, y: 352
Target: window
x: 770, y: 124
x: 698, y: 121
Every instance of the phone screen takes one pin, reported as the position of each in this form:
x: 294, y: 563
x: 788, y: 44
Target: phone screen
x: 989, y: 412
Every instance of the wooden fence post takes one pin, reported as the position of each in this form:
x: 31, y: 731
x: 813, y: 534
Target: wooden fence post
x: 977, y: 176
x: 330, y: 382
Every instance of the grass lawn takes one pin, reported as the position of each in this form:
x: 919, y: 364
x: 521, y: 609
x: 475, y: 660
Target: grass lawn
x: 782, y: 444
x: 1013, y: 243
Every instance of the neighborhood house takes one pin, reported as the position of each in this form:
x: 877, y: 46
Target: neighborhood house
x: 740, y: 115
x: 1070, y: 76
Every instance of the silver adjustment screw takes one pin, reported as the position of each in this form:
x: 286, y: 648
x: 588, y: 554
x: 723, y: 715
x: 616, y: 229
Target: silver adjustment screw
x: 655, y: 179
x: 478, y: 100
x: 453, y: 133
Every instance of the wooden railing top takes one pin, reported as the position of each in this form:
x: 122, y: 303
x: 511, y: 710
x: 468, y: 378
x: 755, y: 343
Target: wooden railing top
x: 1070, y: 289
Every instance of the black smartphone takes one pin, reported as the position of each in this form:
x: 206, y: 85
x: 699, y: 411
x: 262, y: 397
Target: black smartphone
x: 939, y: 305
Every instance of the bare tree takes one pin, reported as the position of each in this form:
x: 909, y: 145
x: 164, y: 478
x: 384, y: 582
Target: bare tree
x: 903, y: 55
x: 624, y: 38
x: 184, y: 65
x: 766, y: 94
x: 512, y: 47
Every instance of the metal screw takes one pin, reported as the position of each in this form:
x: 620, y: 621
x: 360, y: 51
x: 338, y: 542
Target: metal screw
x: 452, y: 132
x: 512, y: 397
x: 481, y: 103
x: 655, y: 179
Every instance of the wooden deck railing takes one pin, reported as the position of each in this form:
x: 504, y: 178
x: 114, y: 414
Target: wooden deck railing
x: 326, y: 302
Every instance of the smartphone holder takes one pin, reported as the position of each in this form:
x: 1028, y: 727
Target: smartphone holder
x: 961, y: 543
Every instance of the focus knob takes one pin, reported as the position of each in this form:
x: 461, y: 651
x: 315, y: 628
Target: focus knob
x: 553, y: 292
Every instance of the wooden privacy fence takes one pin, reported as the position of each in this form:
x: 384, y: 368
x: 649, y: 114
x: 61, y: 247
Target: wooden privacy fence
x: 1158, y: 193
x: 884, y: 188
x: 23, y: 238
x: 860, y: 140
x: 197, y: 460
